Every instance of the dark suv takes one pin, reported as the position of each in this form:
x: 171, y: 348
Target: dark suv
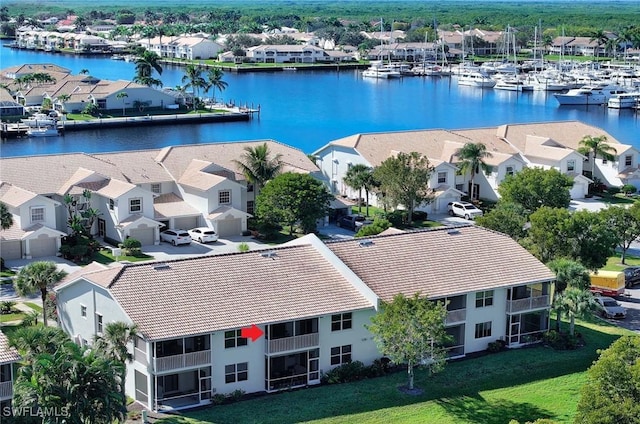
x: 353, y: 222
x: 631, y: 276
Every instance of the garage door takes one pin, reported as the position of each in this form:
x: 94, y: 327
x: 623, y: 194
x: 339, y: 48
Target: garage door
x: 45, y: 246
x: 230, y: 227
x: 578, y: 191
x: 144, y: 235
x: 11, y: 249
x: 186, y: 223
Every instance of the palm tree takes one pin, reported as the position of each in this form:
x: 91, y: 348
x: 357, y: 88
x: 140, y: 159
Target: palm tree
x: 599, y: 147
x: 122, y: 95
x: 84, y: 71
x: 575, y: 302
x: 6, y: 217
x: 146, y: 63
x: 258, y: 167
x: 600, y: 37
x: 358, y: 177
x: 214, y: 80
x: 568, y: 274
x: 35, y: 340
x: 63, y: 98
x: 193, y: 78
x: 39, y: 275
x: 113, y: 345
x: 473, y: 157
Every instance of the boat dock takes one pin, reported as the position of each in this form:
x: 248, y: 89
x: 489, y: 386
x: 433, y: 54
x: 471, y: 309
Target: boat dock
x: 14, y: 130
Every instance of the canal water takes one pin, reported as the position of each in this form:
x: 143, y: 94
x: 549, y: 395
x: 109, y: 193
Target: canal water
x: 307, y: 109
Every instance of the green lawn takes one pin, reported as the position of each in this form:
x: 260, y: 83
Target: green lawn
x: 106, y: 257
x: 521, y: 384
x: 18, y: 316
x: 616, y: 199
x: 613, y: 263
x: 34, y: 306
x: 7, y: 273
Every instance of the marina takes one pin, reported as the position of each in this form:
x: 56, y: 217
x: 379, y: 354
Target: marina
x: 306, y: 109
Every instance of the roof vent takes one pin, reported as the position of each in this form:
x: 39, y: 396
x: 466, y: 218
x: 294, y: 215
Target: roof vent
x: 161, y: 266
x: 365, y: 243
x: 453, y: 231
x: 269, y: 254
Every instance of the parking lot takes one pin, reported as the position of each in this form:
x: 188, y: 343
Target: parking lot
x: 631, y: 301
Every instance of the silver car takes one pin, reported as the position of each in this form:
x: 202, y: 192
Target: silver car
x: 611, y: 308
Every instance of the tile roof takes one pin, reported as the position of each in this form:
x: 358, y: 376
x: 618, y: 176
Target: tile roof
x: 170, y: 205
x: 440, y: 262
x: 14, y: 196
x: 227, y: 291
x: 195, y: 176
x: 7, y: 354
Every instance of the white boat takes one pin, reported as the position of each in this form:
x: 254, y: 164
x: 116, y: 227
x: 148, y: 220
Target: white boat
x: 624, y: 100
x: 39, y: 119
x: 43, y: 131
x: 476, y: 79
x: 589, y: 95
x: 380, y: 71
x: 428, y: 70
x: 513, y: 84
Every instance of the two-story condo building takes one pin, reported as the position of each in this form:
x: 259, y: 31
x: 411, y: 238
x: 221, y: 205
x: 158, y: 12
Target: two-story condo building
x: 136, y: 193
x: 313, y: 302
x: 511, y: 147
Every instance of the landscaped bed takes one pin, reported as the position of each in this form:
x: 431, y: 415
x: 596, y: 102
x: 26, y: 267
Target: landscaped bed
x: 522, y: 384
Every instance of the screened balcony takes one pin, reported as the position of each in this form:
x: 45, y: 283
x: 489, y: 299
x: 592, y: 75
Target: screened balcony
x: 292, y: 335
x: 181, y: 353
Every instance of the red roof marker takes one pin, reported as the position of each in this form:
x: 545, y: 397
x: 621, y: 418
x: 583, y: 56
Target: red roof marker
x: 254, y: 332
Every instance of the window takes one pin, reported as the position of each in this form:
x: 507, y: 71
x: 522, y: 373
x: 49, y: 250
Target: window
x: 341, y: 321
x: 236, y: 372
x: 37, y: 214
x: 155, y: 188
x: 442, y: 177
x: 460, y: 187
x: 224, y: 197
x: 250, y: 206
x: 83, y: 311
x: 484, y: 298
x: 249, y: 187
x: 340, y: 355
x: 509, y: 170
x: 483, y: 330
x: 232, y: 339
x: 98, y: 323
x: 111, y: 204
x: 135, y: 205
x: 571, y: 165
x: 628, y: 160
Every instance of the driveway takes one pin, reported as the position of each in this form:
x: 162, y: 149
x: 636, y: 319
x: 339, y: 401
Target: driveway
x: 631, y: 301
x: 587, y: 204
x: 165, y: 251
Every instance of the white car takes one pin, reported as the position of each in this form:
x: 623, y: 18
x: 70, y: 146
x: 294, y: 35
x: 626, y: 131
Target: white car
x: 464, y: 209
x: 175, y: 237
x: 611, y: 308
x: 203, y: 235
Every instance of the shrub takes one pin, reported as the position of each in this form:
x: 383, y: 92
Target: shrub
x: 243, y: 247
x: 379, y: 368
x: 218, y: 399
x: 397, y: 218
x: 628, y: 189
x: 345, y: 373
x: 6, y: 307
x: 497, y: 346
x: 562, y: 341
x: 131, y: 247
x: 613, y: 190
x: 419, y: 215
x: 378, y: 226
x: 236, y: 395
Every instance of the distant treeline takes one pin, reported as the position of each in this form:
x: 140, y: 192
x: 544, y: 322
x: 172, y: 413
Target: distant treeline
x: 574, y: 16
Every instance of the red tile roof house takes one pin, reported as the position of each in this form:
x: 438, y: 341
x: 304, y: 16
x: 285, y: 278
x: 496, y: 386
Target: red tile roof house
x: 137, y: 193
x: 8, y: 357
x: 311, y: 299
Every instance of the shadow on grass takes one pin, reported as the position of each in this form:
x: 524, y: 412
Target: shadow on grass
x: 476, y: 409
x: 456, y: 390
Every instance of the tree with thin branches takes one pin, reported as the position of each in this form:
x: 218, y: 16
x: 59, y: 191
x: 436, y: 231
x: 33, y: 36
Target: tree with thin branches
x: 472, y: 160
x: 258, y: 165
x: 38, y: 276
x: 596, y: 146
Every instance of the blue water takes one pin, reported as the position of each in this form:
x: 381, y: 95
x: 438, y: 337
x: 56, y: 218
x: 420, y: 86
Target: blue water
x: 309, y: 109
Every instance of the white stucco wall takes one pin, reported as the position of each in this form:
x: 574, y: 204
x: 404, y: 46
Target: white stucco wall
x: 495, y: 313
x: 38, y: 202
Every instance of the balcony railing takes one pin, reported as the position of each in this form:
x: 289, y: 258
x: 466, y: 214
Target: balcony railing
x: 186, y: 360
x: 458, y: 315
x: 292, y: 343
x: 529, y: 303
x: 6, y: 390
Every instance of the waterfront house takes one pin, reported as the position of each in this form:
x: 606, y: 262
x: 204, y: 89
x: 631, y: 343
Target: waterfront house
x: 291, y: 54
x: 182, y: 47
x: 190, y: 312
x: 138, y: 193
x: 8, y: 357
